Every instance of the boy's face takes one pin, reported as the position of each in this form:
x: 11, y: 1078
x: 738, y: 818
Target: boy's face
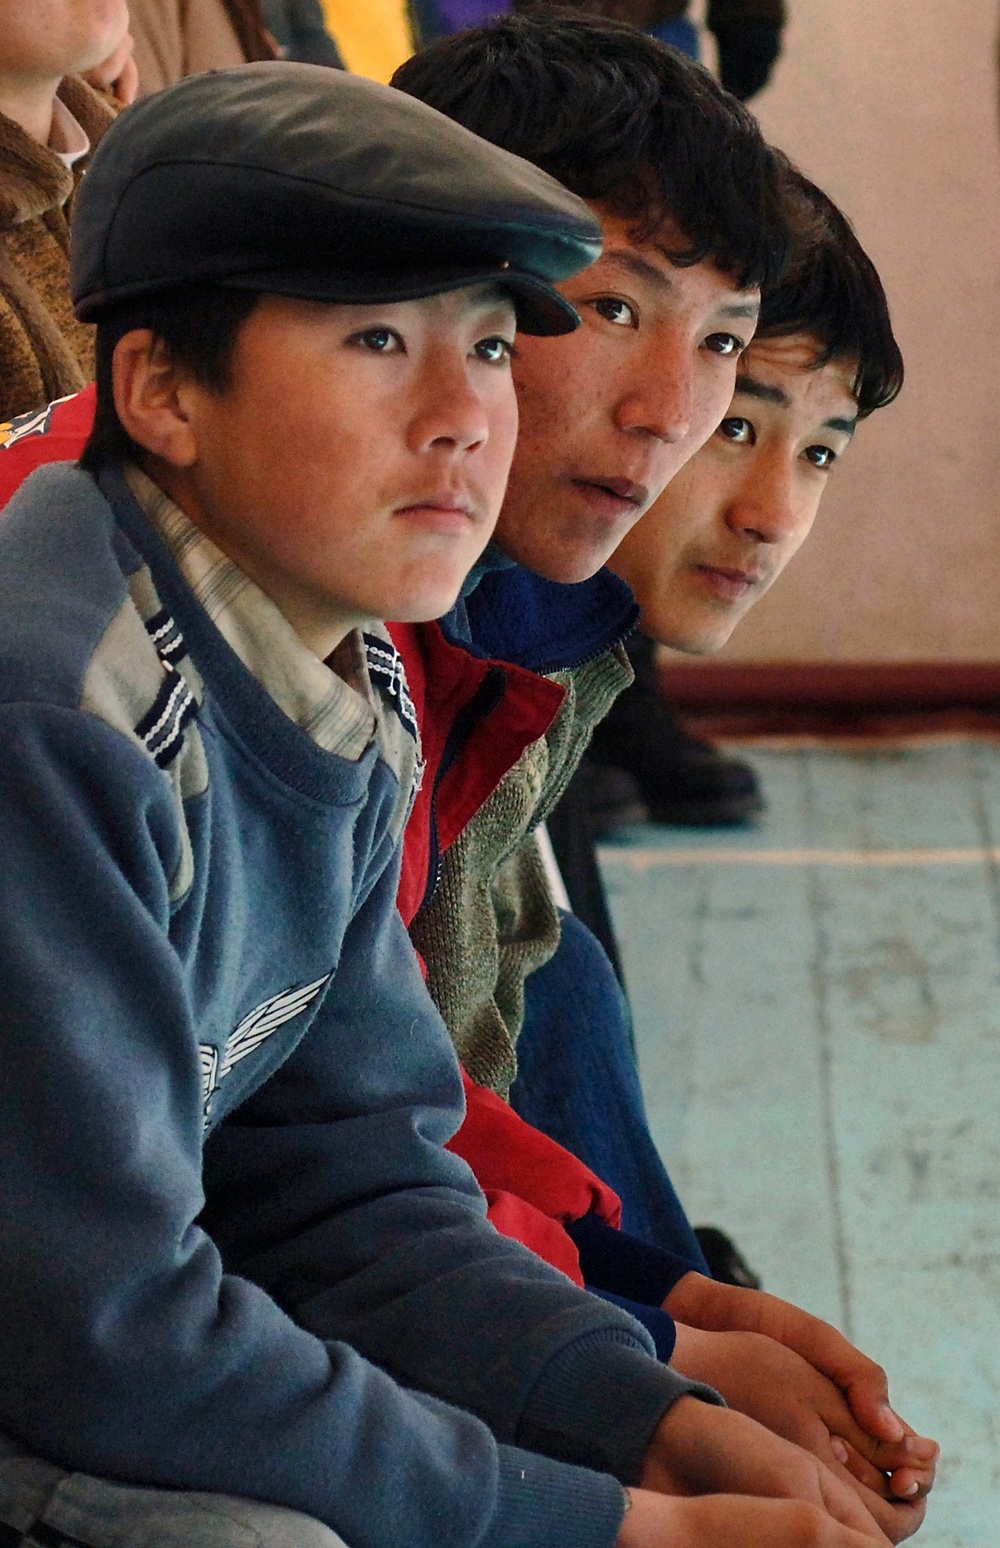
x: 51, y: 38
x: 611, y: 412
x: 725, y: 528
x: 355, y: 464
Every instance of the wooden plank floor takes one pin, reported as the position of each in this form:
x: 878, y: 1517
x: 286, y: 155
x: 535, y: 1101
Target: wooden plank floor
x: 817, y: 1010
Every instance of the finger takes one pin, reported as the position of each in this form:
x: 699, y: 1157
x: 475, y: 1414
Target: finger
x: 860, y: 1469
x: 881, y: 1454
x: 907, y: 1483
x: 896, y: 1519
x: 922, y: 1450
x: 867, y: 1394
x: 912, y: 1451
x: 127, y: 84
x: 864, y: 1383
x: 915, y: 1454
x: 900, y: 1520
x: 843, y: 1501
x: 108, y: 71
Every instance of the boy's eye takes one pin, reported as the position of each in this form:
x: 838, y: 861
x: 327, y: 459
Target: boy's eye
x: 739, y: 430
x: 381, y: 341
x: 725, y: 344
x: 495, y: 350
x: 614, y: 310
x: 822, y: 457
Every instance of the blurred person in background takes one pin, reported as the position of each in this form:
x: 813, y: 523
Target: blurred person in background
x: 50, y: 120
x: 747, y: 32
x: 176, y: 38
x: 299, y: 29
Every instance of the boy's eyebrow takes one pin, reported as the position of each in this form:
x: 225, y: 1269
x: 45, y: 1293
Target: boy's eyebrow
x: 627, y: 258
x: 752, y: 387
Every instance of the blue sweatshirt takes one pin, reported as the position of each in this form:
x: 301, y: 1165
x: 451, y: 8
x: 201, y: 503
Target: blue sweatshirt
x: 232, y: 1243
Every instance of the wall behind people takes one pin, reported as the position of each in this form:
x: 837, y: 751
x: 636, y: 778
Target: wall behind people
x: 893, y: 108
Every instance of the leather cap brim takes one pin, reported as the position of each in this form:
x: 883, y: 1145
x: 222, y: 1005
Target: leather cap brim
x: 540, y: 308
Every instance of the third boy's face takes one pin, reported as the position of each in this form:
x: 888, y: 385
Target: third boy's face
x: 723, y: 531
x: 355, y: 465
x: 611, y: 412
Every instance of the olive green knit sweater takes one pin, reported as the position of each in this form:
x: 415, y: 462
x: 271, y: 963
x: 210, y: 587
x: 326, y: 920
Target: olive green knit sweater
x: 492, y: 920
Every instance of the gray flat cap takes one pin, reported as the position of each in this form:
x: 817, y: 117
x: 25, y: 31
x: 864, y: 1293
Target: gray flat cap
x: 300, y: 181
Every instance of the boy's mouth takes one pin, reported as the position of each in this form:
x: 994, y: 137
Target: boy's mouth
x: 442, y: 512
x: 612, y: 497
x: 728, y: 584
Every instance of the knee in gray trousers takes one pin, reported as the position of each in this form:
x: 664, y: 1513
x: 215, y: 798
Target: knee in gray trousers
x: 43, y: 1506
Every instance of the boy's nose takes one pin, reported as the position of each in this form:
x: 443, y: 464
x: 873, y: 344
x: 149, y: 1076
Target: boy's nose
x: 659, y: 402
x: 450, y: 412
x: 765, y: 507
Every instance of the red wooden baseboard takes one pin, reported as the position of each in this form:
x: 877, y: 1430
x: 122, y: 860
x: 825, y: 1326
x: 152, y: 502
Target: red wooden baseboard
x: 919, y: 686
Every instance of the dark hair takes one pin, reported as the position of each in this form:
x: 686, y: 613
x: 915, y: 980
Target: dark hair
x: 198, y: 327
x: 620, y: 119
x: 832, y: 291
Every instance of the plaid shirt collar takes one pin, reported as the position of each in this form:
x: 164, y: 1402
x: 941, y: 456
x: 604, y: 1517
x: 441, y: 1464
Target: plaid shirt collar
x: 334, y: 702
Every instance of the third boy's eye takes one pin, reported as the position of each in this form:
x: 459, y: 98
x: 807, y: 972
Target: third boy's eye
x: 725, y: 344
x: 494, y: 350
x: 739, y: 430
x: 822, y: 457
x: 614, y: 310
x: 381, y: 341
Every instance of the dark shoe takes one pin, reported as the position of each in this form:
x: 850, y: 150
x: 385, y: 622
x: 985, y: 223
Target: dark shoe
x: 682, y: 780
x: 614, y: 799
x: 725, y: 1261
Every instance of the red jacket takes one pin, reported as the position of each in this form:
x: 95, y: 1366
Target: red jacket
x: 476, y: 718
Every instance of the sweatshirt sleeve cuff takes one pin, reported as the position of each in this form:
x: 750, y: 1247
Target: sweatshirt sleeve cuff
x: 658, y: 1324
x: 600, y: 1400
x: 626, y: 1265
x: 546, y: 1504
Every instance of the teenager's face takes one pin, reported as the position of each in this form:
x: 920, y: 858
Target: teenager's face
x: 355, y: 465
x: 611, y: 412
x: 51, y: 38
x: 723, y: 531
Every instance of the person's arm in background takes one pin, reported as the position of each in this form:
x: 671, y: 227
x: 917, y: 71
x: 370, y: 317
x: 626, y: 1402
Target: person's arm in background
x: 118, y: 76
x: 299, y: 28
x: 748, y: 34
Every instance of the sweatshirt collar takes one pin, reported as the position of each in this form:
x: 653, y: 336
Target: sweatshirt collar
x: 332, y: 701
x: 515, y: 615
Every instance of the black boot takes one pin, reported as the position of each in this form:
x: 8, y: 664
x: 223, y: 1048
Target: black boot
x: 725, y: 1261
x: 682, y: 780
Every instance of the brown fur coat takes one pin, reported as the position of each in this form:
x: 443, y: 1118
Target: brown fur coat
x: 44, y: 352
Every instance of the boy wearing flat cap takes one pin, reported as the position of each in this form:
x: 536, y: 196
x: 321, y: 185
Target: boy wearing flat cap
x: 226, y: 1091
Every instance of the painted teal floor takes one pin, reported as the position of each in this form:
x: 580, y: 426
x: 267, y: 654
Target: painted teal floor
x: 817, y: 1008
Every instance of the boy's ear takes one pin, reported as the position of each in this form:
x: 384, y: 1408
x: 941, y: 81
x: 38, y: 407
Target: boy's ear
x: 151, y: 400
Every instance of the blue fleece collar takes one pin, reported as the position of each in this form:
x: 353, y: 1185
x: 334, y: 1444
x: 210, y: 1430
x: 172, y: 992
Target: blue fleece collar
x: 514, y: 615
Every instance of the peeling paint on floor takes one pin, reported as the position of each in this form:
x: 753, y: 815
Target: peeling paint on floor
x: 820, y: 1049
